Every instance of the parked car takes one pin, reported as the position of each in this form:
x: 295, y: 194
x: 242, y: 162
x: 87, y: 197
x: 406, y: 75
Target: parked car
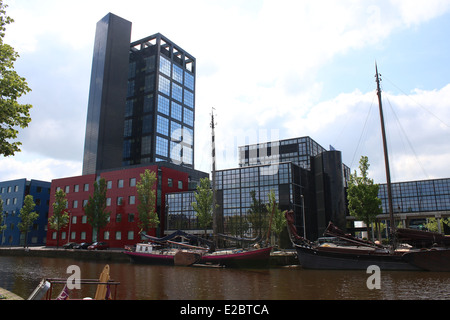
x: 98, y: 246
x: 83, y: 245
x: 70, y: 245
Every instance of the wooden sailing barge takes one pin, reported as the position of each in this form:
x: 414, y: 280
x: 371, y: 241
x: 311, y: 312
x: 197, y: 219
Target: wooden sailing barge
x: 359, y: 255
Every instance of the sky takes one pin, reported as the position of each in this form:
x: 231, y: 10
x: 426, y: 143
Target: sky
x: 268, y: 70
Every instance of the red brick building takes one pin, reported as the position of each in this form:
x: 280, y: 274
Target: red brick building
x: 122, y: 228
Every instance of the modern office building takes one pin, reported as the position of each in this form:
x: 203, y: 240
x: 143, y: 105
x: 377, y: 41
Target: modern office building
x: 312, y: 183
x: 13, y: 195
x: 415, y: 201
x: 122, y: 200
x: 142, y: 100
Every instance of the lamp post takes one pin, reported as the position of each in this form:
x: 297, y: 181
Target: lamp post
x: 303, y: 214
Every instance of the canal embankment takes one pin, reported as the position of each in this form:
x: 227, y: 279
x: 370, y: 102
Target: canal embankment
x: 277, y: 258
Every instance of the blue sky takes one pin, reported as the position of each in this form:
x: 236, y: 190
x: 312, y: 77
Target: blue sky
x: 270, y: 68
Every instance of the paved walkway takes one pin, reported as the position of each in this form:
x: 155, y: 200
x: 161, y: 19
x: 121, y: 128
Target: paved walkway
x: 7, y: 295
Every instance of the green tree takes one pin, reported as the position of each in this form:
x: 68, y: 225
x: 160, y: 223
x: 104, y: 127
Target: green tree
x: 148, y: 218
x: 278, y: 220
x: 12, y: 114
x: 362, y: 195
x: 2, y: 217
x: 432, y: 224
x: 95, y: 209
x: 257, y: 215
x: 27, y: 217
x: 203, y: 204
x: 60, y: 217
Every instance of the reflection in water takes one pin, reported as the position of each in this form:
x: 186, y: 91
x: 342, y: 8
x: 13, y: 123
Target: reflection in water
x: 143, y: 282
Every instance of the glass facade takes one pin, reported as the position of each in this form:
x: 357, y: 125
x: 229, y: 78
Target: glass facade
x: 160, y: 103
x: 417, y: 196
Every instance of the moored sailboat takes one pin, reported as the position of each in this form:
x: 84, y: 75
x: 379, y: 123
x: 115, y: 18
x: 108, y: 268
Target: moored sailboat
x: 359, y: 254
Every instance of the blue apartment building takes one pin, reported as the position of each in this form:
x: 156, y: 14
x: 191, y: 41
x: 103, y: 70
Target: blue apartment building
x: 13, y: 195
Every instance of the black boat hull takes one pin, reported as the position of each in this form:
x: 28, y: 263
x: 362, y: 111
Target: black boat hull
x: 315, y: 258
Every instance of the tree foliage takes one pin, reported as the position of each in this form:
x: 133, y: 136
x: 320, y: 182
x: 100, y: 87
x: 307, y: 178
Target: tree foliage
x: 148, y: 218
x: 27, y: 217
x: 60, y: 217
x: 257, y: 215
x: 12, y: 87
x: 362, y: 195
x: 204, y: 204
x: 277, y: 220
x: 95, y: 209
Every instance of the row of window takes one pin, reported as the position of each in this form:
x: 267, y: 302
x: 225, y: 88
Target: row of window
x: 175, y: 91
x: 109, y: 185
x: 83, y: 235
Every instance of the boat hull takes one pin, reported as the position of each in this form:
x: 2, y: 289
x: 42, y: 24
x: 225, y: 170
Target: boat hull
x: 150, y: 258
x: 257, y: 258
x: 430, y: 260
x: 348, y: 259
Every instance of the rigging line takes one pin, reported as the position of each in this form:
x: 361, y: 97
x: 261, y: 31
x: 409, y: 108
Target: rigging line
x: 362, y: 133
x: 406, y: 136
x: 440, y: 120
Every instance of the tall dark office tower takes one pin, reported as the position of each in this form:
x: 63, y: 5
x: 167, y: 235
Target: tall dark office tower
x: 107, y: 96
x: 141, y: 102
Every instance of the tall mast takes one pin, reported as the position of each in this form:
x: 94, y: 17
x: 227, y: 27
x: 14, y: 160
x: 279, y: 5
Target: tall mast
x: 386, y: 159
x: 213, y: 154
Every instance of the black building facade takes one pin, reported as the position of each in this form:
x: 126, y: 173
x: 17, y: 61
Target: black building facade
x: 141, y: 106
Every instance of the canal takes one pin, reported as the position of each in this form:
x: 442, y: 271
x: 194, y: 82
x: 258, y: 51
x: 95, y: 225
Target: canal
x: 143, y: 282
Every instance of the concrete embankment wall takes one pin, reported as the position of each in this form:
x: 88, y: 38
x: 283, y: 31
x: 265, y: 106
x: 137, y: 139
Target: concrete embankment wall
x: 278, y: 259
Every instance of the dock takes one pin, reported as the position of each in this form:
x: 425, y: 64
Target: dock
x: 8, y: 295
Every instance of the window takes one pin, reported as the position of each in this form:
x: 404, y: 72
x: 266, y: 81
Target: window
x: 86, y: 187
x: 127, y: 128
x: 170, y: 183
x: 189, y: 80
x: 119, y: 201
x: 176, y: 111
x: 180, y: 185
x: 120, y: 183
x: 177, y: 92
x: 132, y: 182
x: 188, y: 117
x: 16, y: 188
x: 83, y: 235
x: 75, y: 204
x: 165, y: 66
x: 130, y: 235
x: 149, y: 83
x: 118, y: 235
x: 162, y: 125
x: 161, y: 146
x: 109, y: 184
x: 163, y: 105
x: 76, y: 188
x: 67, y: 189
x: 106, y: 235
x: 84, y: 219
x: 146, y: 148
x: 175, y: 131
x: 74, y: 220
x: 119, y: 217
x: 177, y: 74
x: 147, y: 124
x: 131, y: 217
x: 108, y: 202
x: 148, y: 103
x: 164, y: 85
x: 85, y: 202
x: 189, y: 98
x: 73, y: 235
x: 132, y: 200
